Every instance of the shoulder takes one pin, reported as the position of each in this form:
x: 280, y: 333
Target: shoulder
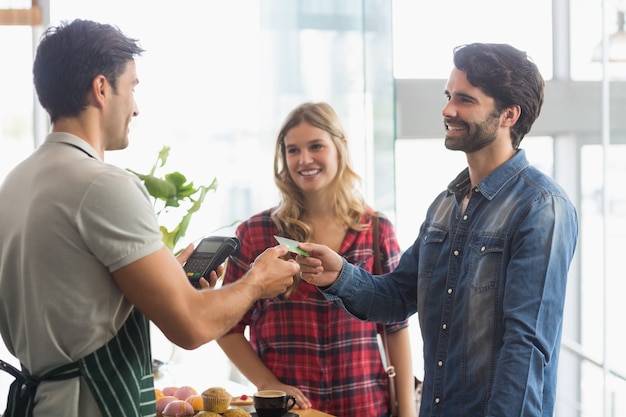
x: 540, y: 191
x: 118, y: 185
x: 541, y: 182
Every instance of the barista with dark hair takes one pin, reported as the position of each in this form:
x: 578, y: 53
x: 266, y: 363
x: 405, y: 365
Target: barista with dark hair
x: 82, y: 264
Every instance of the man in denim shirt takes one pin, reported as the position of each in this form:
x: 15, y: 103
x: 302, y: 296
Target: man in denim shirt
x: 487, y: 273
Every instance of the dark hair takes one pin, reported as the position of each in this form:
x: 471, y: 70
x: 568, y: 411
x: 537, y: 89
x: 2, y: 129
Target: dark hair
x: 70, y: 56
x: 509, y: 76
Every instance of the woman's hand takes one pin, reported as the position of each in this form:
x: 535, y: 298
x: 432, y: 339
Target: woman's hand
x: 301, y: 400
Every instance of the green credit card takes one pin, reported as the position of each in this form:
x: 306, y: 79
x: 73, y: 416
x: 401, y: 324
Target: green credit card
x: 292, y: 244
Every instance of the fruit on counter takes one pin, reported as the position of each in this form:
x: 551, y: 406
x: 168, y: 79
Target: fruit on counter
x: 196, y: 402
x: 169, y: 390
x: 178, y: 408
x: 213, y: 402
x: 158, y: 394
x: 185, y: 391
x: 163, y: 402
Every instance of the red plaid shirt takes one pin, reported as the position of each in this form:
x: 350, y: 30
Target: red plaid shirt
x: 310, y: 343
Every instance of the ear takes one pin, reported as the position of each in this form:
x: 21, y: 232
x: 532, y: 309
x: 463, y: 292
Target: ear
x: 510, y: 115
x: 99, y: 89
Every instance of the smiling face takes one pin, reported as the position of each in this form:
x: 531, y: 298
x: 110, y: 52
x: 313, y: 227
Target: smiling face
x: 311, y: 156
x: 121, y: 109
x: 470, y: 116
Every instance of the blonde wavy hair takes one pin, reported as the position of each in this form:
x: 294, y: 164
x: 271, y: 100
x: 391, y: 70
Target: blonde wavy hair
x: 348, y: 203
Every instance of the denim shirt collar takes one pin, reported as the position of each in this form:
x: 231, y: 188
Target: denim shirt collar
x: 494, y: 182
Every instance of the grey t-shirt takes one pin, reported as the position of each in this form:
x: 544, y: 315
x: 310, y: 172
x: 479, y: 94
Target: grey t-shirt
x: 67, y: 220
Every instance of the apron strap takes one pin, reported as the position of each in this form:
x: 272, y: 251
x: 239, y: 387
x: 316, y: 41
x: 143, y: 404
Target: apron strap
x: 21, y: 397
x: 119, y: 375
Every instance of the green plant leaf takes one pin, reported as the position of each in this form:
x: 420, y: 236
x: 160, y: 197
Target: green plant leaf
x: 158, y: 188
x: 178, y: 180
x: 173, y: 190
x: 168, y: 238
x: 164, y: 153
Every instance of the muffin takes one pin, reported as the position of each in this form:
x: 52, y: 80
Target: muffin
x: 235, y: 412
x: 216, y: 399
x: 207, y: 414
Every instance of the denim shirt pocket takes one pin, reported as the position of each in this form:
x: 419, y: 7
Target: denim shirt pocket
x: 430, y: 247
x: 485, y: 262
x: 485, y: 254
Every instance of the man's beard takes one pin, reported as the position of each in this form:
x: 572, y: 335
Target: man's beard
x: 478, y: 135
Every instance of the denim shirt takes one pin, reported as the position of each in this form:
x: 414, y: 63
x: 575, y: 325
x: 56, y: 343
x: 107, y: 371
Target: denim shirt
x: 489, y: 289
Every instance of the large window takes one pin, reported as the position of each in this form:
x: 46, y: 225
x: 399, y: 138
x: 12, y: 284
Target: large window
x: 426, y: 33
x: 603, y: 208
x: 16, y: 104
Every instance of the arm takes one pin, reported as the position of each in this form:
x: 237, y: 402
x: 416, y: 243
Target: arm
x: 533, y: 305
x: 356, y: 290
x: 239, y: 351
x: 158, y: 286
x: 118, y: 225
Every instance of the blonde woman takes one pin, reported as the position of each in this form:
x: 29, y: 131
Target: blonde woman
x: 301, y: 343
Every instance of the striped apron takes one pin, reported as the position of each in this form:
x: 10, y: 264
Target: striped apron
x: 119, y: 375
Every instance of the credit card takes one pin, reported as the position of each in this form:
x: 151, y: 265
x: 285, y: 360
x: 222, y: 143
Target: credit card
x: 293, y: 245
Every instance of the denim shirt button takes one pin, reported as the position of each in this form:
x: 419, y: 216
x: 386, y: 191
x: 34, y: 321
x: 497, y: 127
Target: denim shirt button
x: 450, y: 290
x: 437, y: 400
x: 440, y: 364
x: 482, y: 249
x: 465, y: 217
x: 456, y: 253
x: 444, y: 326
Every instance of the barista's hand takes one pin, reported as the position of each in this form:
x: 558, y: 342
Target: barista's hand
x: 270, y: 274
x: 185, y: 254
x: 204, y: 282
x: 213, y: 277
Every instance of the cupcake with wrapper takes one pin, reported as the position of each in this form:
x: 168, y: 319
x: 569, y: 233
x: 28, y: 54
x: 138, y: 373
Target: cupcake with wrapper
x: 216, y: 399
